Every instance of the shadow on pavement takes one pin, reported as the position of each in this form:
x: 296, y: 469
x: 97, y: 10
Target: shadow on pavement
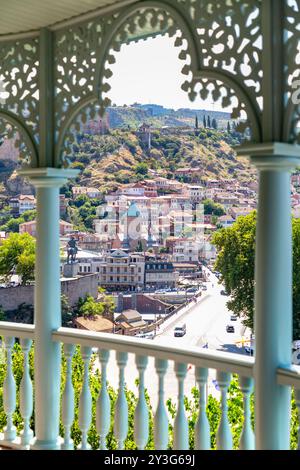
x: 232, y: 348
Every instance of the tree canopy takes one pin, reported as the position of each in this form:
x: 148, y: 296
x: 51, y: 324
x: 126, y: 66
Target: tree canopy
x: 236, y: 261
x: 212, y: 208
x: 90, y: 307
x: 17, y: 256
x: 10, y: 224
x: 141, y: 169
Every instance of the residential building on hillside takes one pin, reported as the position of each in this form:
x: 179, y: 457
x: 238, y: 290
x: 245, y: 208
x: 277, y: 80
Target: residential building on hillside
x: 227, y: 200
x: 213, y: 183
x: 185, y: 250
x: 63, y: 204
x: 189, y: 174
x: 26, y: 203
x: 95, y: 323
x: 236, y: 212
x: 121, y: 271
x: 92, y: 193
x: 132, y: 190
x: 195, y: 193
x: 89, y: 241
x: 208, y: 251
x: 65, y: 228
x: 14, y: 205
x: 226, y: 221
x: 87, y: 262
x: 160, y: 274
x: 295, y: 179
x: 130, y: 321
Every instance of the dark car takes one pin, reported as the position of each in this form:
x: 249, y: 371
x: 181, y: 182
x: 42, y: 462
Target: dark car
x: 223, y: 292
x: 230, y: 329
x: 180, y: 330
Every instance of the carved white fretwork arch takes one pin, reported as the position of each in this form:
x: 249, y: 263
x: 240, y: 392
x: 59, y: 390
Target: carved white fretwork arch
x: 12, y: 127
x: 149, y: 18
x: 221, y: 43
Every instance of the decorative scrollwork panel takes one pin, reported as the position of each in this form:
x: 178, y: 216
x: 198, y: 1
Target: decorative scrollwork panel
x: 22, y: 142
x: 230, y: 37
x: 292, y: 69
x: 19, y: 81
x: 77, y: 50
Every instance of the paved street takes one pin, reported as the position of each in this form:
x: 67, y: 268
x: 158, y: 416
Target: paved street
x: 205, y: 324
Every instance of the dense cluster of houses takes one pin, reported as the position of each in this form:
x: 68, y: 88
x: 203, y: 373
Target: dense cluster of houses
x: 149, y: 242
x: 149, y: 235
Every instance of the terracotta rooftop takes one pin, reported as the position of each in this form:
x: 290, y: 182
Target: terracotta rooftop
x: 96, y: 323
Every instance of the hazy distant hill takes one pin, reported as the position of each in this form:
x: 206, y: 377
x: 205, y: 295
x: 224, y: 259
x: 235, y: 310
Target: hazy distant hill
x: 131, y: 117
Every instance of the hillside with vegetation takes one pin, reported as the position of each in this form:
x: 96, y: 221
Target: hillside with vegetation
x: 121, y: 157
x: 112, y: 151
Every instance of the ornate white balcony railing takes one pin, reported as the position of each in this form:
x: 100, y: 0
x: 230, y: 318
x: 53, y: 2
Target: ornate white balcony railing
x: 225, y: 365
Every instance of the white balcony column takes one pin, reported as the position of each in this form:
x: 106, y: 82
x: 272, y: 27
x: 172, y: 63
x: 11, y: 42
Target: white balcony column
x: 47, y: 308
x: 273, y: 293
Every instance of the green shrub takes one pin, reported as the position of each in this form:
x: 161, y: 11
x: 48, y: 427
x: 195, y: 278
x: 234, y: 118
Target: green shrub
x: 235, y: 406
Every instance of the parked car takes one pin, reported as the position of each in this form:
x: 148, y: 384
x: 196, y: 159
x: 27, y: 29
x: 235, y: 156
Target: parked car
x: 233, y: 318
x: 180, y: 330
x: 230, y: 329
x: 223, y: 292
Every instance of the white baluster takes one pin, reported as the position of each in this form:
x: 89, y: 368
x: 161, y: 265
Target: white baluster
x: 224, y: 437
x: 202, y: 428
x: 181, y: 428
x: 9, y: 392
x: 68, y: 402
x: 26, y: 394
x: 247, y: 441
x: 121, y: 407
x: 161, y: 424
x: 103, y: 402
x: 141, y: 416
x: 297, y: 399
x: 85, y: 401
